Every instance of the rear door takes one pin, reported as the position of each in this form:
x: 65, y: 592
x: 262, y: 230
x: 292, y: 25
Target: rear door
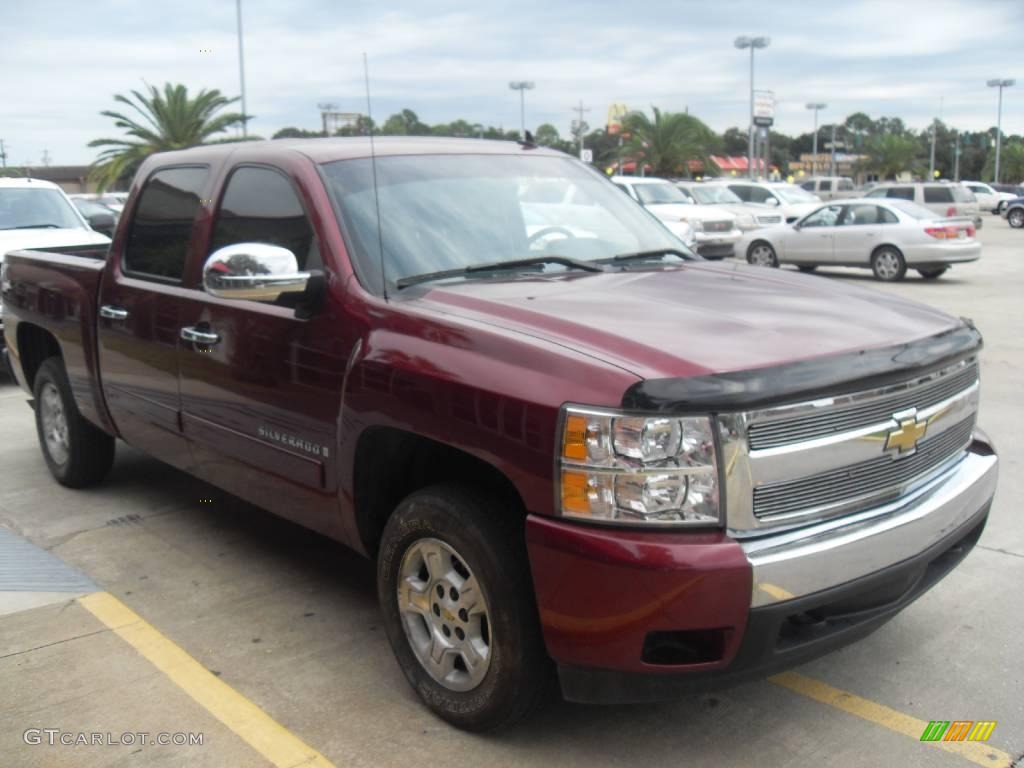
x: 861, y: 228
x: 140, y: 302
x: 260, y: 404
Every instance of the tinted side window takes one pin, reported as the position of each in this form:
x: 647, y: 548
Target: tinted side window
x: 845, y: 185
x: 260, y: 206
x: 861, y: 213
x: 902, y: 193
x: 808, y: 185
x: 742, y: 191
x: 938, y: 195
x: 826, y: 186
x: 758, y: 195
x: 877, y: 193
x: 162, y: 225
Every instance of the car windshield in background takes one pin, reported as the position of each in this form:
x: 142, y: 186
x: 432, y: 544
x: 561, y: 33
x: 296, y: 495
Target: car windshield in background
x: 658, y: 194
x: 36, y: 208
x: 441, y: 212
x: 794, y: 194
x: 707, y: 195
x: 912, y: 209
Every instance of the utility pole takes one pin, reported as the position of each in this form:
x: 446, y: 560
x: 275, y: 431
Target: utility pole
x: 832, y: 162
x: 46, y: 158
x: 753, y: 43
x: 1000, y: 84
x: 241, y: 69
x: 817, y: 106
x: 580, y: 125
x: 956, y: 158
x: 522, y: 86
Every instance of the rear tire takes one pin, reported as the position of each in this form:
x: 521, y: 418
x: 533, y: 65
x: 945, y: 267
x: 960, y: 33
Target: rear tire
x: 932, y: 274
x: 77, y: 453
x: 454, y: 586
x: 1016, y: 218
x: 888, y: 264
x: 762, y: 254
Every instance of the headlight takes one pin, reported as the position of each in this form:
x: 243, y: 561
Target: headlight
x: 746, y: 221
x: 638, y: 470
x: 696, y: 224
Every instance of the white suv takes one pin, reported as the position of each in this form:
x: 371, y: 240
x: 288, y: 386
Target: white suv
x: 789, y: 199
x: 715, y: 230
x: 942, y: 197
x: 989, y: 199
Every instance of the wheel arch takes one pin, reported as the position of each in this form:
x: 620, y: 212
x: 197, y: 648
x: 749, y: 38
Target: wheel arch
x: 391, y: 463
x: 35, y: 344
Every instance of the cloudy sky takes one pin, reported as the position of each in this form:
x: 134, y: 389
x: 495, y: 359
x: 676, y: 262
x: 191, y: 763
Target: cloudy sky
x: 62, y: 60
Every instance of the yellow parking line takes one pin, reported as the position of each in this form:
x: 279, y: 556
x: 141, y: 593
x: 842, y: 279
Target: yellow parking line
x: 975, y: 751
x: 264, y: 734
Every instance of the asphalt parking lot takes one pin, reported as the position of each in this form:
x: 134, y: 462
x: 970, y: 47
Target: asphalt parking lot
x: 189, y: 612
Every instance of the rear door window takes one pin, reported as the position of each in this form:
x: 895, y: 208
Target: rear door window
x: 936, y: 194
x: 742, y: 191
x: 261, y: 206
x: 900, y: 193
x: 162, y: 225
x: 826, y: 186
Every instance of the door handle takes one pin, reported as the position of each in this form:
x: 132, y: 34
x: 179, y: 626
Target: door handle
x: 113, y: 313
x: 199, y: 337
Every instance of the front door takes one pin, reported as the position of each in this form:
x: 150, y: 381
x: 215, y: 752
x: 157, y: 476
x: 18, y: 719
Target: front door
x: 139, y: 314
x: 260, y: 401
x: 811, y: 242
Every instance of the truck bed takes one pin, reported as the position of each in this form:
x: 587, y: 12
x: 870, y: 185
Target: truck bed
x: 55, y: 292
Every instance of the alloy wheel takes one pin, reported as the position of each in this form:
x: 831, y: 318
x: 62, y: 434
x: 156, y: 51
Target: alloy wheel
x: 887, y: 265
x: 762, y: 255
x: 55, y: 424
x: 445, y: 616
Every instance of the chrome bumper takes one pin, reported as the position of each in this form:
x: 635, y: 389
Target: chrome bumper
x: 798, y: 563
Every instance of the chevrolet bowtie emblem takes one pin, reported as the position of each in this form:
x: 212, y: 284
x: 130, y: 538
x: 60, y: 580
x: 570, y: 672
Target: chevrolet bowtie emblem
x: 904, y: 438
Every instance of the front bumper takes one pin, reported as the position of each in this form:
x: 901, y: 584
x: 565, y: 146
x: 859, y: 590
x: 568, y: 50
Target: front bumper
x: 717, y: 245
x: 641, y: 616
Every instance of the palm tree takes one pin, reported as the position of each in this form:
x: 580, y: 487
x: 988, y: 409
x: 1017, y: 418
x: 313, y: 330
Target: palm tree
x: 170, y: 120
x: 668, y: 141
x: 891, y: 154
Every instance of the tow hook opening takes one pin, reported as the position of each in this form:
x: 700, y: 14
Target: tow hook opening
x: 676, y: 648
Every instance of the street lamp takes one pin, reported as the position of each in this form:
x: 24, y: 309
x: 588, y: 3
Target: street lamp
x: 1000, y: 84
x: 241, y: 69
x: 522, y: 86
x: 816, y: 106
x: 752, y: 43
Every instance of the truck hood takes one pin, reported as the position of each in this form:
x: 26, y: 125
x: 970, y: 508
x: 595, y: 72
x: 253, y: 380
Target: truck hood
x: 16, y: 239
x: 694, y: 319
x: 689, y: 212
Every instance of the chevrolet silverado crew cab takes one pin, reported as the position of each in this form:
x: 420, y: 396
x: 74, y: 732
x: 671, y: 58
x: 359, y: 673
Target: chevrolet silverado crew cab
x: 578, y: 450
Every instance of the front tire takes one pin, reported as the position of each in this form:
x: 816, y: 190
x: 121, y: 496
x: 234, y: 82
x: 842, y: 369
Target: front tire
x: 454, y: 587
x: 888, y: 264
x: 1016, y: 218
x: 762, y: 254
x: 932, y: 274
x: 77, y: 453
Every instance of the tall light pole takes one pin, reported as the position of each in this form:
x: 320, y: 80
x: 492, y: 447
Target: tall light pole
x: 241, y: 69
x: 522, y: 86
x: 817, y: 106
x: 1000, y: 84
x: 752, y: 43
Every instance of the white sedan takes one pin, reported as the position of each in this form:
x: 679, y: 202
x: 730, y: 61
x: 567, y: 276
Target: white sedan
x: 888, y: 236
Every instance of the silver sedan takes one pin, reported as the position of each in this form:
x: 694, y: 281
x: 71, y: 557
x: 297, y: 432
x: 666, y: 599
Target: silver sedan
x: 887, y: 236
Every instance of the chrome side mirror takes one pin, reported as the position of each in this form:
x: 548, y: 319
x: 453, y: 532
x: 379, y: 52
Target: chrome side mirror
x: 254, y: 272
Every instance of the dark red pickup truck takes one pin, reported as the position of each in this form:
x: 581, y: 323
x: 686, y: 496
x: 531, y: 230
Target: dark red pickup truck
x: 568, y: 442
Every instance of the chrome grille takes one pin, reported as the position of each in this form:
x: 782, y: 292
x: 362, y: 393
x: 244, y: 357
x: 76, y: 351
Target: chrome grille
x: 868, y: 481
x: 717, y: 226
x: 769, y: 219
x: 808, y: 426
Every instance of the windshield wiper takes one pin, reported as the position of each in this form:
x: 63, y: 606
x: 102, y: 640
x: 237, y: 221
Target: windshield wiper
x: 495, y: 266
x: 643, y: 256
x: 36, y: 226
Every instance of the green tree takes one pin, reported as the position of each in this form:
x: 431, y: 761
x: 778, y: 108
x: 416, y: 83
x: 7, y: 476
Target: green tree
x: 405, y: 123
x: 166, y: 120
x: 1011, y: 163
x: 667, y: 142
x: 891, y: 154
x: 547, y: 135
x: 296, y: 133
x: 736, y: 142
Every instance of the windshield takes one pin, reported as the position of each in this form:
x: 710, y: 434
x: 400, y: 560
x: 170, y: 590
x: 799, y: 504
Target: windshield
x: 22, y: 208
x: 707, y: 195
x: 656, y: 194
x: 440, y: 212
x: 912, y: 209
x: 793, y: 194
